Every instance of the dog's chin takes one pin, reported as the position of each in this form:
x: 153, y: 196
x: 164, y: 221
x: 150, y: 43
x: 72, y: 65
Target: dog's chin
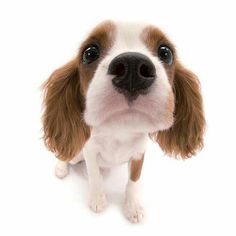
x: 131, y: 120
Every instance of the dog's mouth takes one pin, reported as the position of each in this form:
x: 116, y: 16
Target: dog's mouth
x: 113, y: 109
x: 127, y: 115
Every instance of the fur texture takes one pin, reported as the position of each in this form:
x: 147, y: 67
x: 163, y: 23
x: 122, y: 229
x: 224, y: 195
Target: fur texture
x: 86, y: 119
x: 65, y: 131
x: 185, y: 137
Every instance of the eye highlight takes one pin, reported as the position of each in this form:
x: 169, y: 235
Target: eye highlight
x: 90, y: 54
x: 165, y: 54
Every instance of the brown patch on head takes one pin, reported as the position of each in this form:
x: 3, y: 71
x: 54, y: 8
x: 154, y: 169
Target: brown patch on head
x: 65, y: 131
x: 102, y: 36
x: 136, y: 168
x: 153, y: 39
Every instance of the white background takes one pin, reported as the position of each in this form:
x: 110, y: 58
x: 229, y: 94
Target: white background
x: 193, y: 197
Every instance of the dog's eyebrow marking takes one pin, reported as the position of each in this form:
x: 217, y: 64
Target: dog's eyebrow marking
x: 103, y: 34
x: 136, y: 168
x: 152, y: 36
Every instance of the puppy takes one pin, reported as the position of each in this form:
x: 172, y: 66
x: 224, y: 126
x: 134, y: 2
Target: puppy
x: 126, y: 85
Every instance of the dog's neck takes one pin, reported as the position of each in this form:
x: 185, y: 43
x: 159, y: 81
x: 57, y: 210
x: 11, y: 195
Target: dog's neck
x: 117, y: 134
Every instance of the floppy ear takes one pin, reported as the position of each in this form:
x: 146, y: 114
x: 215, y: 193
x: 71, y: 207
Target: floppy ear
x: 185, y: 137
x: 65, y: 132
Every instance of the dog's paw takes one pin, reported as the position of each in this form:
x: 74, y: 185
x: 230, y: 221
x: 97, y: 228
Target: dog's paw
x: 133, y: 212
x: 61, y: 171
x: 98, y: 202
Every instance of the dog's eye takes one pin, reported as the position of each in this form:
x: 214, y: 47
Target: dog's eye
x: 90, y: 54
x: 165, y: 54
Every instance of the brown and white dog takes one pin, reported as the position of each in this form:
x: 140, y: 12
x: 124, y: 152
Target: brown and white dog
x: 125, y: 85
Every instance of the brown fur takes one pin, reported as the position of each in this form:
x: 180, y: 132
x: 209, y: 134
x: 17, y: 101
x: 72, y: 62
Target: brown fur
x: 185, y: 137
x: 136, y: 168
x: 65, y: 131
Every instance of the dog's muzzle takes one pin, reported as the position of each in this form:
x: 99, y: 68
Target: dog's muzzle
x: 134, y: 74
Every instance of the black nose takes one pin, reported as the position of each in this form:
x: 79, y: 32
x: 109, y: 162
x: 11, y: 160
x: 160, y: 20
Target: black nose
x: 134, y: 73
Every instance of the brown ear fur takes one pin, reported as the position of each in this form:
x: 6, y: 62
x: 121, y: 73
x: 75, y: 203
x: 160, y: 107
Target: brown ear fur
x: 65, y: 132
x: 185, y: 137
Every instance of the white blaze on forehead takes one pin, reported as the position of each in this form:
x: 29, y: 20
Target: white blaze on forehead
x: 128, y: 38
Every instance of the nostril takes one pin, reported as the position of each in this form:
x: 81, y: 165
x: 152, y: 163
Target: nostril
x: 118, y: 69
x: 146, y: 71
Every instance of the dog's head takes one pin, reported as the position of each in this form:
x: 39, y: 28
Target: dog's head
x: 126, y: 78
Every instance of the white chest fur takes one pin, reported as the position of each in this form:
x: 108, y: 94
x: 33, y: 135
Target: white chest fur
x: 113, y: 149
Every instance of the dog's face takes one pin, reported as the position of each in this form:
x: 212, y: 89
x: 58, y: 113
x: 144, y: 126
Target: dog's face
x: 126, y: 77
x: 127, y: 74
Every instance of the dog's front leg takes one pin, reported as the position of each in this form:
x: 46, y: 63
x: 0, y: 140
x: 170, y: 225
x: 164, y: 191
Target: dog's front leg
x: 97, y: 200
x: 132, y: 208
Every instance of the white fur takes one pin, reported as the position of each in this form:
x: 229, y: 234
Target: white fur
x: 61, y: 169
x: 120, y: 132
x: 132, y: 208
